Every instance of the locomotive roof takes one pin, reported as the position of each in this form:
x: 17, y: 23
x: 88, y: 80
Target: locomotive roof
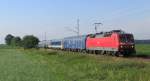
x: 105, y: 34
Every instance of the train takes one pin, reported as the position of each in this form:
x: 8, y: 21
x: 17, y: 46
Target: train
x: 114, y: 42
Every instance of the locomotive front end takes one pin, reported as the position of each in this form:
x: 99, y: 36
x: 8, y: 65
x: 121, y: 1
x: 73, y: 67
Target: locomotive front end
x: 127, y: 45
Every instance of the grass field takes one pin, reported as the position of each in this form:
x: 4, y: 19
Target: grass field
x: 143, y: 49
x: 43, y: 65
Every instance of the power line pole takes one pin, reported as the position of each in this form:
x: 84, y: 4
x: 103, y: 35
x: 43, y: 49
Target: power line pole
x: 78, y: 27
x: 45, y: 40
x: 45, y: 36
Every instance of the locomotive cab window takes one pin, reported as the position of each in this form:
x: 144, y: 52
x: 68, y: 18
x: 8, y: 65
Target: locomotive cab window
x: 126, y: 38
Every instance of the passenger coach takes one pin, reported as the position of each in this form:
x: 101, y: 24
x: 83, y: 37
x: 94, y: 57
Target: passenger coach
x: 56, y: 44
x: 75, y: 43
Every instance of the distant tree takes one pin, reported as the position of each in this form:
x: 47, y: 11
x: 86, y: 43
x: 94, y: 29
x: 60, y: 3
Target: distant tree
x: 30, y: 41
x: 8, y: 39
x: 16, y: 41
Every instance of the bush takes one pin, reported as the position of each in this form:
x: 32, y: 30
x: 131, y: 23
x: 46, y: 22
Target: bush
x: 8, y: 39
x: 16, y: 41
x: 30, y: 41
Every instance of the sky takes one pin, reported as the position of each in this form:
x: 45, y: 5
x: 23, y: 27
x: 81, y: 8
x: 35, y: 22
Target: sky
x: 54, y: 17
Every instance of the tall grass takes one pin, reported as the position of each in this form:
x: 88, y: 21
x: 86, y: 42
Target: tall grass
x: 50, y: 65
x: 143, y: 49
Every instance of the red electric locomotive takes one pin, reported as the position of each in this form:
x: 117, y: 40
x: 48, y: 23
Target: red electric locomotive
x: 115, y: 42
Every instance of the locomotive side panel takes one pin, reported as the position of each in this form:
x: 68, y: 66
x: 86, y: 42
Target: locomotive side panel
x: 103, y: 43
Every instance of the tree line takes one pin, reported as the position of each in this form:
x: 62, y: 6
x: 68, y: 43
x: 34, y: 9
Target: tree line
x: 142, y: 41
x: 28, y: 41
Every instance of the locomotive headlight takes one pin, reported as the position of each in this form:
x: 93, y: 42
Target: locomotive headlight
x: 132, y: 46
x: 121, y: 46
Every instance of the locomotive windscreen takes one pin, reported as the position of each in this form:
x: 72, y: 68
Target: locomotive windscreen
x: 126, y: 38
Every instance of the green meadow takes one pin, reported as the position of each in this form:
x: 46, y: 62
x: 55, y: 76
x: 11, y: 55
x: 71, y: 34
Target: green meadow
x: 48, y: 65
